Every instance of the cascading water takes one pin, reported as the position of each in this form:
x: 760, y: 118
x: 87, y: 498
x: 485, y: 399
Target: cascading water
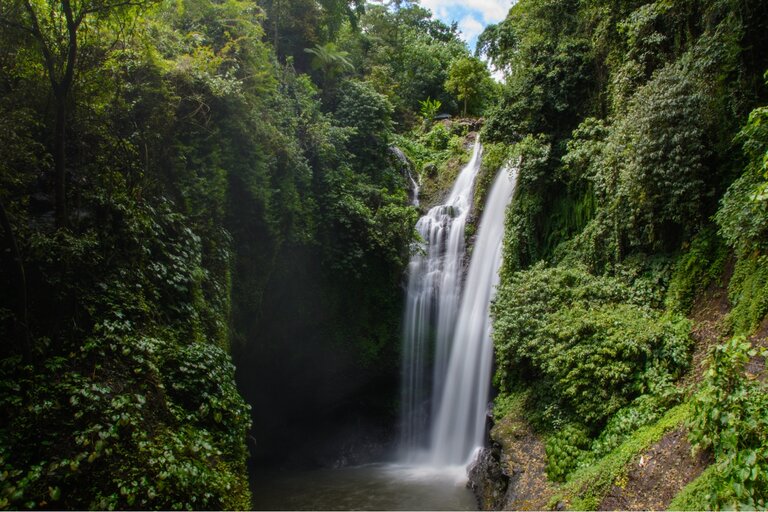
x: 407, y: 170
x: 457, y: 332
x: 459, y: 426
x: 434, y: 281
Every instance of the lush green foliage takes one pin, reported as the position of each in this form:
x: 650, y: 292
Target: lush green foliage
x: 522, y: 229
x: 468, y: 79
x: 405, y: 55
x: 743, y: 220
x: 367, y: 113
x: 143, y: 412
x: 731, y: 417
x: 636, y: 168
x: 743, y: 217
x: 565, y: 449
x: 695, y: 269
x: 429, y: 108
x: 508, y: 403
x: 654, y: 164
x: 437, y: 155
x: 583, y: 349
x: 633, y: 127
x: 748, y: 292
x: 572, y: 447
x: 548, y: 69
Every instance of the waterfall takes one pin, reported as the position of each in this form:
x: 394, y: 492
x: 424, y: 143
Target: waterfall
x: 459, y: 425
x: 415, y: 189
x: 448, y: 331
x: 434, y: 281
x: 406, y: 168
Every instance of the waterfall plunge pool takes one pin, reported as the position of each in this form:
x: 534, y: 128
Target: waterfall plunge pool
x: 380, y: 486
x: 437, y: 299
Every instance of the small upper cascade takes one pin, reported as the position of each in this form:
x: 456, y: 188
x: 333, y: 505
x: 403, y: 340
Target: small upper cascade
x: 408, y: 170
x: 415, y: 189
x: 432, y: 298
x: 458, y: 426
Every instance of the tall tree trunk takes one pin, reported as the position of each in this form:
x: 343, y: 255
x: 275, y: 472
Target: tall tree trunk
x: 60, y: 159
x: 22, y: 316
x: 61, y: 72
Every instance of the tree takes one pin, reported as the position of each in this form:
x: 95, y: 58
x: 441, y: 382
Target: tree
x: 497, y: 42
x: 429, y: 109
x: 56, y: 28
x: 330, y: 61
x: 405, y: 55
x: 369, y: 114
x: 465, y: 78
x: 335, y: 12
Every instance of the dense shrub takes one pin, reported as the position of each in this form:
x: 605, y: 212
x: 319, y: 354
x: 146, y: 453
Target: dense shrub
x: 437, y: 138
x: 731, y: 419
x: 119, y: 435
x: 743, y: 222
x: 565, y: 449
x: 743, y: 213
x: 580, y: 341
x: 644, y: 410
x: 572, y: 446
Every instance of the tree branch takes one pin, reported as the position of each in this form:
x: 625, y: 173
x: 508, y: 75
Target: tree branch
x: 38, y: 34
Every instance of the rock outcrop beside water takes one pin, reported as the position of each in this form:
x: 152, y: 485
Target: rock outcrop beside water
x: 487, y: 479
x: 511, y: 474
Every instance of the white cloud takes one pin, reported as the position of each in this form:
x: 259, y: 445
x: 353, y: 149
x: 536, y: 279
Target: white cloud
x: 470, y: 27
x: 490, y: 11
x: 493, y: 11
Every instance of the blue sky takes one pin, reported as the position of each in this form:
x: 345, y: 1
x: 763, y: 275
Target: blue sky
x: 471, y: 15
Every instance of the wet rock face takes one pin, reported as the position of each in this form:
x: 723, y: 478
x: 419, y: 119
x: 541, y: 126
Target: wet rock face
x: 487, y: 479
x: 511, y: 475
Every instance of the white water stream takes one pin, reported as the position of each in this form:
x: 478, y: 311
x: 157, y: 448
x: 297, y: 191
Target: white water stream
x: 447, y: 325
x: 434, y: 285
x: 459, y: 426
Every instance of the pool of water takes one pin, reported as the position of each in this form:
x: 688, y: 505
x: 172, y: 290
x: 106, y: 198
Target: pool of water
x: 368, y: 487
